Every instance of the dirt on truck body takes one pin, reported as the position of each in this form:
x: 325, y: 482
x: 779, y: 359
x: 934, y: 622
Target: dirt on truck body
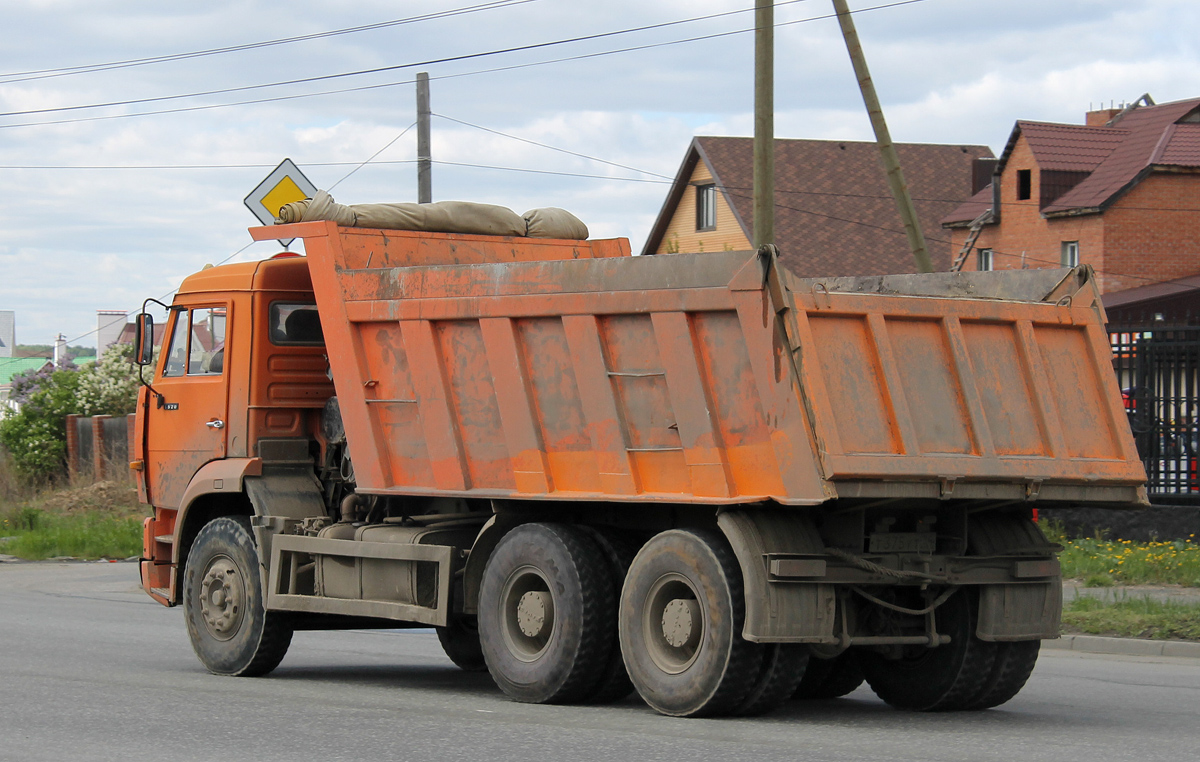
x: 693, y: 476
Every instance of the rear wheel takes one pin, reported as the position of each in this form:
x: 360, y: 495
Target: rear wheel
x: 222, y: 600
x: 619, y: 551
x: 783, y: 666
x: 1014, y: 663
x: 546, y: 614
x: 830, y: 678
x: 680, y: 625
x: 945, y: 678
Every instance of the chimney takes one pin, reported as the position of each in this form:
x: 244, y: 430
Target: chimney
x: 109, y: 325
x: 8, y: 332
x: 1101, y: 117
x: 60, y: 350
x: 981, y: 173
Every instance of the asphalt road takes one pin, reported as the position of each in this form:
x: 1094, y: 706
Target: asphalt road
x: 91, y: 669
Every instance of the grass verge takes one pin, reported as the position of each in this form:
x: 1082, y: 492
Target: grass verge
x: 1102, y: 562
x: 96, y: 521
x: 1132, y: 618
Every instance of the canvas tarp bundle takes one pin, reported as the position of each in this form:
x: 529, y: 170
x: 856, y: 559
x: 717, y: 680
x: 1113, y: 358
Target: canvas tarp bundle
x: 440, y: 217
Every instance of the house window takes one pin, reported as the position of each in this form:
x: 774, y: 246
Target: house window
x: 706, y: 207
x: 1024, y: 184
x: 985, y: 260
x: 1070, y: 253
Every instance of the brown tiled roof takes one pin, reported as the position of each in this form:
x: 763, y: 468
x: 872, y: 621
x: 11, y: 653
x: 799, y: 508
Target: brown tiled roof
x: 970, y: 209
x: 1114, y: 157
x: 1146, y: 128
x: 834, y: 214
x: 1180, y: 146
x: 1069, y: 147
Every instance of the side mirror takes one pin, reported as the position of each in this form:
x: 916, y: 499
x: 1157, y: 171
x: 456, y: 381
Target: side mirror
x: 143, y: 340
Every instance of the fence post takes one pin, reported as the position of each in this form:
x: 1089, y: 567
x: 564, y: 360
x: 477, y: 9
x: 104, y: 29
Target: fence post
x: 72, y: 446
x: 99, y: 451
x: 130, y: 428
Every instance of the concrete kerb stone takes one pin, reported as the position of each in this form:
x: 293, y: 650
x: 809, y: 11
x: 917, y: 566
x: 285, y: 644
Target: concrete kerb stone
x: 1094, y: 644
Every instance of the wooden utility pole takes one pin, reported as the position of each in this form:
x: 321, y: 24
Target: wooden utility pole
x: 424, y: 163
x: 891, y: 162
x: 764, y: 122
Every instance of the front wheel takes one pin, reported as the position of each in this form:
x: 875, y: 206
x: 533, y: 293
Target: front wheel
x: 230, y: 631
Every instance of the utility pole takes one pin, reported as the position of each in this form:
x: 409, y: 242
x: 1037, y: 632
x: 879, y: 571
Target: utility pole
x: 891, y: 162
x: 764, y: 122
x: 424, y: 163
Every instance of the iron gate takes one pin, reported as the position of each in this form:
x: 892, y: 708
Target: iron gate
x: 1158, y: 370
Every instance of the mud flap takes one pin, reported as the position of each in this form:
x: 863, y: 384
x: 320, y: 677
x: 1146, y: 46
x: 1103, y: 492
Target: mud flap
x: 1020, y: 612
x: 779, y: 611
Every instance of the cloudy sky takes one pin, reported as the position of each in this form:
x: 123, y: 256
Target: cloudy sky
x: 125, y: 156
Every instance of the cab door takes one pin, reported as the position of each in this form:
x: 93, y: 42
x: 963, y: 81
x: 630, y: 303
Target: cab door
x: 186, y: 426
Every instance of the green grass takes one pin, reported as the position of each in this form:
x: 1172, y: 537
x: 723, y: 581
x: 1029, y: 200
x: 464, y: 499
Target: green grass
x: 80, y: 520
x: 1102, y: 562
x: 91, y: 535
x: 1132, y: 618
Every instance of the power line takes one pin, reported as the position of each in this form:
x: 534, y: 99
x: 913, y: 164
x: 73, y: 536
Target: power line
x: 581, y: 57
x: 381, y: 69
x: 494, y: 70
x: 408, y: 82
x: 64, y: 71
x: 552, y: 148
x: 368, y: 161
x: 551, y: 172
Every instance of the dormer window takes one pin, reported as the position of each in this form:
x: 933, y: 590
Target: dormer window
x: 706, y: 207
x: 1024, y: 184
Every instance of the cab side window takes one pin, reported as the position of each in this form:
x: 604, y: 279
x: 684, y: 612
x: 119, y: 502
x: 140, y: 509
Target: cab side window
x: 197, y: 345
x: 206, y: 351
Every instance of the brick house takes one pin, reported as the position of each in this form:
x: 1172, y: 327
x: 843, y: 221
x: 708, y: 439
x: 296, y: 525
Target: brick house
x: 1121, y: 193
x: 834, y: 214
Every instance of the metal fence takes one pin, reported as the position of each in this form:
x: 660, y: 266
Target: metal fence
x: 1158, y: 370
x: 99, y: 445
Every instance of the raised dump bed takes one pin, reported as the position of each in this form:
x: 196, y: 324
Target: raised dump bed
x: 552, y: 371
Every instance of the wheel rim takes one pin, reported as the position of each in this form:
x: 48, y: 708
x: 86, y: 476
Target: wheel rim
x: 222, y: 598
x: 673, y: 623
x: 527, y: 614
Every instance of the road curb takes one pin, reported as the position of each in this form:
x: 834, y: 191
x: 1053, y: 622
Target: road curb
x: 1094, y: 644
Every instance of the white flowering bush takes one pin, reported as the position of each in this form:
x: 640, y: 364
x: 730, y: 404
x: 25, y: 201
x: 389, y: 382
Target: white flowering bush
x: 109, y: 386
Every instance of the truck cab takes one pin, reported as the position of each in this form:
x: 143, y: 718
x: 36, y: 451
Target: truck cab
x: 242, y: 366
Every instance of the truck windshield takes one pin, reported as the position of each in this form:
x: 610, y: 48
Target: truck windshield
x: 295, y: 323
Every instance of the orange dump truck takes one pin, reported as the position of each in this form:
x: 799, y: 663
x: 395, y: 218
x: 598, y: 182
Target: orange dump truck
x: 693, y: 476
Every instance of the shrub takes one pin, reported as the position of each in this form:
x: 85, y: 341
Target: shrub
x: 110, y: 385
x: 35, y: 435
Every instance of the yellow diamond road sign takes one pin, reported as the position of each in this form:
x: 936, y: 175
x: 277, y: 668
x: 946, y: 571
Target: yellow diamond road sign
x: 283, y: 186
